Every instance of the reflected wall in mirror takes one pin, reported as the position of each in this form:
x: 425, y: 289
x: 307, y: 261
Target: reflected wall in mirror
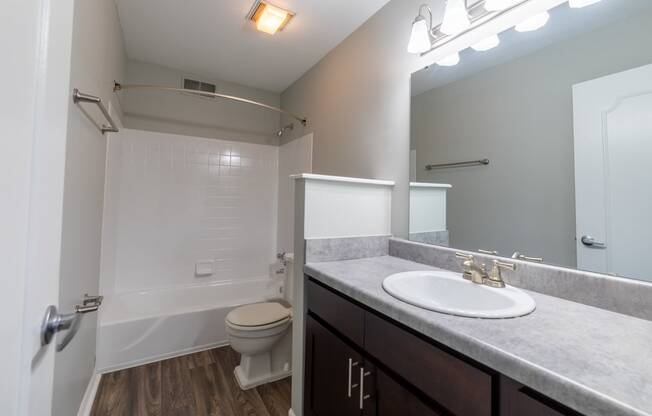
x: 564, y: 117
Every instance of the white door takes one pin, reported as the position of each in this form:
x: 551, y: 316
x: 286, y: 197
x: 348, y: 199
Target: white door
x: 36, y: 42
x: 613, y: 174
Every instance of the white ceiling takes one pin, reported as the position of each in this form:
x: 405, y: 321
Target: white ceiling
x: 564, y: 23
x: 213, y: 39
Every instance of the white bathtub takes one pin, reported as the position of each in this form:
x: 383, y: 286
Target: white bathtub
x: 140, y: 327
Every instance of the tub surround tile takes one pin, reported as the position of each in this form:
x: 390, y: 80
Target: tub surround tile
x: 626, y: 296
x: 332, y: 249
x: 593, y: 360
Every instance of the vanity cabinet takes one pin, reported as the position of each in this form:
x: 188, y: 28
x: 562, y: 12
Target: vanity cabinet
x: 366, y: 390
x: 331, y: 372
x: 361, y: 363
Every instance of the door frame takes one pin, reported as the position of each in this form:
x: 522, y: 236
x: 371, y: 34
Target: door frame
x: 34, y: 106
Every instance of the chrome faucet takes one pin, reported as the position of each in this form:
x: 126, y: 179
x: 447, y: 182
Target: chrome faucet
x: 495, y: 278
x: 472, y: 271
x: 477, y: 273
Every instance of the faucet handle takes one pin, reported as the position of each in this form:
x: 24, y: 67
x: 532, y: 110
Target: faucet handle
x: 495, y: 277
x: 467, y: 264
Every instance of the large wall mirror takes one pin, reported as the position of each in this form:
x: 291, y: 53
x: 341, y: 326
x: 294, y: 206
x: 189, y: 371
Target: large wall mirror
x: 541, y: 148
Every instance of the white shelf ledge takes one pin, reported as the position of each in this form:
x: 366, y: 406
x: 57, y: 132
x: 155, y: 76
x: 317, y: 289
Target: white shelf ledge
x: 328, y: 178
x: 429, y: 185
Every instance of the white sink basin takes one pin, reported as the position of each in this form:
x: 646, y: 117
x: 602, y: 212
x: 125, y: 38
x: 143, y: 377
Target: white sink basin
x: 448, y: 292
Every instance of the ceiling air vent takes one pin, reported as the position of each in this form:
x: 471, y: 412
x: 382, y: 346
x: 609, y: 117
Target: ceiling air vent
x: 201, y: 86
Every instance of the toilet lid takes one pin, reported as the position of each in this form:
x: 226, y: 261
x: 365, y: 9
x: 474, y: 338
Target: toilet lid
x: 258, y: 314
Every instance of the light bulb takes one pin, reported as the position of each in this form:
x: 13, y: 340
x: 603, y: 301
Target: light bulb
x: 271, y: 19
x: 487, y: 43
x: 456, y: 18
x: 451, y: 60
x: 577, y: 4
x: 420, y: 37
x: 533, y: 23
x: 497, y: 5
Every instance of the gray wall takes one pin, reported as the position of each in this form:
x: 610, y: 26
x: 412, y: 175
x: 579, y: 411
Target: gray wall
x: 357, y: 101
x: 169, y: 112
x: 97, y: 59
x: 519, y: 115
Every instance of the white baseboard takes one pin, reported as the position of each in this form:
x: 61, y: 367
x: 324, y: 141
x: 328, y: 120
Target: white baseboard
x: 89, y: 395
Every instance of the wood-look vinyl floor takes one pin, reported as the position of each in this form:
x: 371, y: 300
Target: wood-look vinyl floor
x: 199, y: 384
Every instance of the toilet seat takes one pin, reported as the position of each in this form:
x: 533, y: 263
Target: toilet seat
x: 258, y: 316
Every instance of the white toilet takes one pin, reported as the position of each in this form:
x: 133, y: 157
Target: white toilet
x: 262, y: 334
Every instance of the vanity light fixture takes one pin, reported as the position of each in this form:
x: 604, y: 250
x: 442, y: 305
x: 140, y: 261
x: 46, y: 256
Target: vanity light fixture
x: 498, y: 5
x: 578, y: 4
x: 420, y: 38
x: 533, y: 23
x: 269, y: 18
x: 459, y: 18
x: 456, y: 17
x: 487, y: 43
x: 451, y: 60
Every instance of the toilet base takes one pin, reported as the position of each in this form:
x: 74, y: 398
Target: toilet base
x: 247, y: 383
x: 264, y: 358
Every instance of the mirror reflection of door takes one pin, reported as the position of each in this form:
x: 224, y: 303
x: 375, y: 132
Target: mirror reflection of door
x: 563, y: 117
x: 613, y: 180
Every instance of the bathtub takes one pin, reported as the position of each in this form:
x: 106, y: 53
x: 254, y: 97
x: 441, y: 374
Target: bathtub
x: 140, y: 327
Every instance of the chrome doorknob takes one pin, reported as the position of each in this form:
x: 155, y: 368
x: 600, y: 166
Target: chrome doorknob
x: 54, y: 322
x: 589, y: 241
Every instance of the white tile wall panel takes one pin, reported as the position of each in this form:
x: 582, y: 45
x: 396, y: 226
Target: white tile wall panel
x: 173, y: 200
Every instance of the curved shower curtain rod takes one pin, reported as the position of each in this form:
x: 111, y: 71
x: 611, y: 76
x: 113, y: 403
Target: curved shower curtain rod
x: 119, y: 87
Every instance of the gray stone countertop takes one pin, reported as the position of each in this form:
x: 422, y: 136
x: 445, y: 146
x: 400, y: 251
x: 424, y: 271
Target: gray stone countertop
x: 592, y: 360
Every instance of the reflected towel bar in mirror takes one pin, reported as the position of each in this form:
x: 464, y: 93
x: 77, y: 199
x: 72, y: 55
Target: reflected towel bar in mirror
x: 482, y: 162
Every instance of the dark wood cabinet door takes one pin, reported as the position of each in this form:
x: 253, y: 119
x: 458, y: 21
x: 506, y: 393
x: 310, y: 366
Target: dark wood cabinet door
x: 455, y: 384
x: 341, y: 314
x: 518, y: 400
x: 389, y: 398
x: 331, y: 373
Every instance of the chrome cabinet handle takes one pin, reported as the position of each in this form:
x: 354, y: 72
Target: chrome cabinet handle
x: 589, y: 241
x: 363, y: 396
x: 351, y: 386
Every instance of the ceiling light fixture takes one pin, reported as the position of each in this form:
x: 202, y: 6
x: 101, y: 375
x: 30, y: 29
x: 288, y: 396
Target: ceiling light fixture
x: 456, y: 17
x: 269, y: 18
x: 487, y: 43
x: 533, y: 23
x: 578, y: 4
